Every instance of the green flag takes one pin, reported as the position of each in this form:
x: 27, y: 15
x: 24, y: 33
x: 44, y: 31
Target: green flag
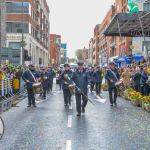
x: 133, y: 7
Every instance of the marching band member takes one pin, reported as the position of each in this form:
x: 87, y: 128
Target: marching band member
x: 66, y: 81
x: 51, y: 75
x: 29, y: 76
x: 44, y: 81
x: 98, y: 77
x: 81, y: 79
x: 112, y: 76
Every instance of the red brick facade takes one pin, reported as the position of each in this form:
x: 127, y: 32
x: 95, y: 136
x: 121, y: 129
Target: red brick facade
x: 113, y: 46
x: 39, y: 20
x: 55, y: 42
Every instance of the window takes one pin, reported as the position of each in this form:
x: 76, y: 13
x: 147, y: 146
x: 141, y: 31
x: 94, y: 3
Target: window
x: 146, y: 6
x: 15, y: 45
x: 17, y: 7
x: 14, y: 27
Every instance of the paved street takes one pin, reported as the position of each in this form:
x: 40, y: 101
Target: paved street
x: 51, y: 126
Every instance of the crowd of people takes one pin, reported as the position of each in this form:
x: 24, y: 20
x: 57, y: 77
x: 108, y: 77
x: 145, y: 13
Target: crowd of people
x: 80, y: 80
x: 136, y: 77
x: 10, y: 79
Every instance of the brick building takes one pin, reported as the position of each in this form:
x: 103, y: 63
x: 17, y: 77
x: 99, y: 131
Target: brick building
x: 90, y: 52
x: 55, y: 46
x: 29, y: 18
x: 95, y: 44
x: 2, y: 23
x: 111, y: 47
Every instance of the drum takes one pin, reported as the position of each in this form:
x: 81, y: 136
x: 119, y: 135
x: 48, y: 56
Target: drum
x: 37, y: 87
x: 72, y: 89
x: 120, y: 86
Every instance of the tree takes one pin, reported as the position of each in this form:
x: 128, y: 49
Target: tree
x: 79, y: 54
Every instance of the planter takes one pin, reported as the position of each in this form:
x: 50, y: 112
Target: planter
x: 127, y: 98
x: 136, y: 103
x: 146, y: 107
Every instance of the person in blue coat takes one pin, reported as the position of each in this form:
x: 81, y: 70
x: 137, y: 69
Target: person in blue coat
x: 81, y: 80
x: 98, y: 77
x: 44, y: 81
x: 144, y: 78
x: 51, y: 75
x: 66, y: 81
x: 112, y: 76
x: 30, y: 76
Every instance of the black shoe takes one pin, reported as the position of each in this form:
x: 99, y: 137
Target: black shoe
x: 29, y: 106
x: 65, y: 105
x: 83, y: 110
x: 34, y: 105
x: 111, y: 105
x: 78, y: 114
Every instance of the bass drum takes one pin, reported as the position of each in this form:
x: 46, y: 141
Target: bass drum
x: 37, y: 87
x: 120, y: 86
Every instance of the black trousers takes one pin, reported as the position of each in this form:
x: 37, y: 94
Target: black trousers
x: 67, y: 96
x: 98, y: 88
x: 92, y: 86
x: 31, y: 96
x: 44, y: 92
x: 50, y: 86
x: 112, y: 97
x: 81, y: 101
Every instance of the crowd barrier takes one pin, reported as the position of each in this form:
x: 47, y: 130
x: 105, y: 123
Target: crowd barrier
x: 11, y: 89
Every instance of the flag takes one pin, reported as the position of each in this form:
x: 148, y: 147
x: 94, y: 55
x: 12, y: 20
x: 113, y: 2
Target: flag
x: 133, y: 7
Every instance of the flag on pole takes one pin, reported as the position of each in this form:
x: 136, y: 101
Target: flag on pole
x: 133, y: 7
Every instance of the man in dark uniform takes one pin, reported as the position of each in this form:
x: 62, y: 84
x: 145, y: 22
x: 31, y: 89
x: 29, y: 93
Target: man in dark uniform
x: 44, y: 81
x: 66, y: 81
x: 112, y: 76
x: 98, y: 80
x: 51, y: 75
x: 81, y: 79
x: 29, y: 76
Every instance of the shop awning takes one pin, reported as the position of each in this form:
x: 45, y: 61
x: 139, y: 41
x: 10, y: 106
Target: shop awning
x: 129, y: 25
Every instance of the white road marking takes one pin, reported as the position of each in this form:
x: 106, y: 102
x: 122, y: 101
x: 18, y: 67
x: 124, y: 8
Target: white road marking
x: 101, y: 100
x: 40, y: 101
x: 69, y: 121
x: 68, y: 145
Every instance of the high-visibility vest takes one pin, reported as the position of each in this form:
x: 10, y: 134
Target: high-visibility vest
x: 16, y: 84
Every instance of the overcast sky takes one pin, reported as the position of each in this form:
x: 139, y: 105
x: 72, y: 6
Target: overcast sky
x: 76, y: 19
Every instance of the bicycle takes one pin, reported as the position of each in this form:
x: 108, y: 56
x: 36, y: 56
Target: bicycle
x: 2, y: 127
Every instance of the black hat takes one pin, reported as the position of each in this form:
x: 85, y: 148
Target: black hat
x: 66, y: 65
x: 80, y: 62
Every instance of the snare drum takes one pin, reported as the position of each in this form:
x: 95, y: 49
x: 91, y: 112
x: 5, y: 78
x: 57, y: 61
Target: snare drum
x: 37, y: 87
x: 71, y: 89
x: 120, y: 86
